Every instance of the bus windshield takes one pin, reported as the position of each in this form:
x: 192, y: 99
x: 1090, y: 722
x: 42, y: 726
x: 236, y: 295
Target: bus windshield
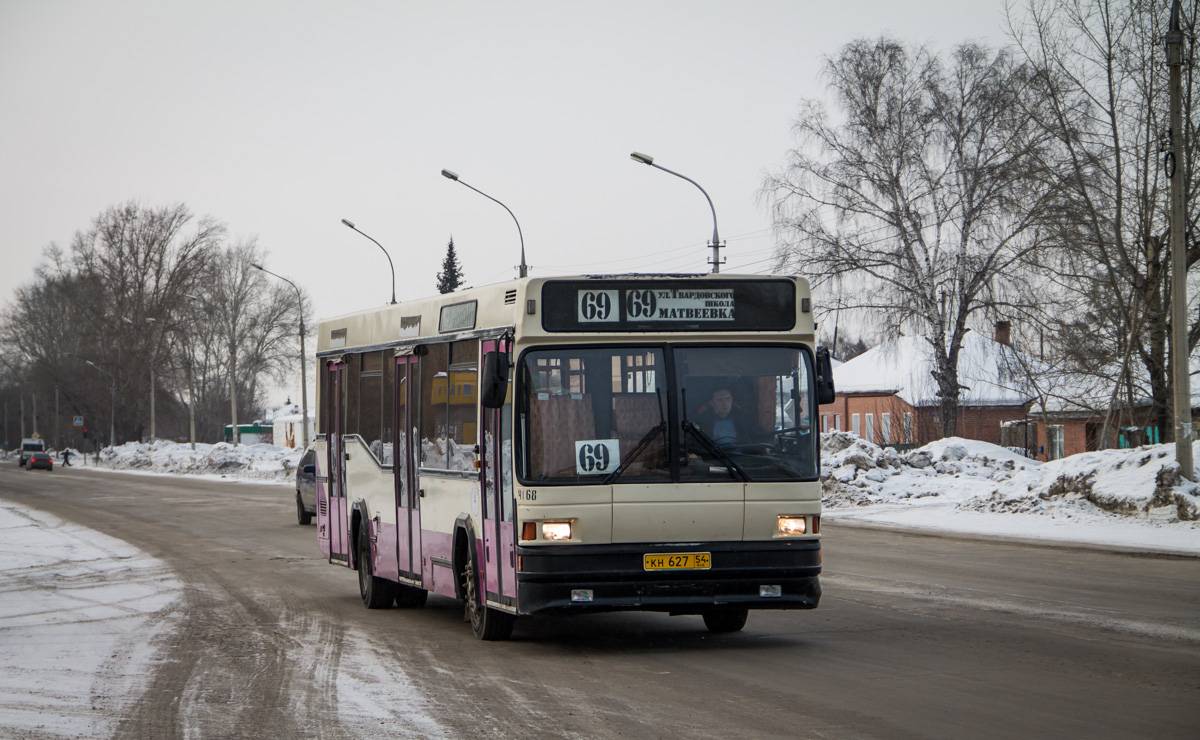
x: 596, y: 415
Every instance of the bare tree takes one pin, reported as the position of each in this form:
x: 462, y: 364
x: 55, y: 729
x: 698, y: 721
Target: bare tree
x: 104, y: 301
x: 925, y: 194
x: 252, y: 329
x: 1108, y: 111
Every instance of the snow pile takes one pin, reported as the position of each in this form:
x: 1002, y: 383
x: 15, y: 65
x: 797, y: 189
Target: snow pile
x: 971, y: 476
x: 256, y: 462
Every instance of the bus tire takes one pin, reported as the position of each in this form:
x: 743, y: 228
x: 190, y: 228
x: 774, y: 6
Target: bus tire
x: 377, y: 593
x: 726, y: 620
x: 302, y: 515
x: 486, y: 622
x: 410, y: 597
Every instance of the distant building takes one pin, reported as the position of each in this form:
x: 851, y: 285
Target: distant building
x: 251, y: 434
x: 888, y: 395
x: 288, y: 431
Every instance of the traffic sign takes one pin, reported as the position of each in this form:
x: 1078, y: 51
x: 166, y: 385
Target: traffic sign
x: 78, y: 421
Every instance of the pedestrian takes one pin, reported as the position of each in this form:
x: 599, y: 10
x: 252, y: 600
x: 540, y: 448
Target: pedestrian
x: 66, y: 458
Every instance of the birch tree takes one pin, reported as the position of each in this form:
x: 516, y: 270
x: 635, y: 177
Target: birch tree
x: 923, y: 191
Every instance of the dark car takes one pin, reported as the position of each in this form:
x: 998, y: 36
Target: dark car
x: 30, y: 446
x: 40, y: 460
x: 306, y: 487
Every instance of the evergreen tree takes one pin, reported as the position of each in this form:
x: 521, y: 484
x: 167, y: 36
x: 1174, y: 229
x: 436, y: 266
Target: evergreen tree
x: 451, y: 276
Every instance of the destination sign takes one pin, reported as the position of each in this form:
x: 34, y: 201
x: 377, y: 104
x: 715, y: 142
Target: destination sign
x: 669, y: 305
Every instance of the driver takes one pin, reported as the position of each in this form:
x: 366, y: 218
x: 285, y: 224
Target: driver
x: 726, y: 423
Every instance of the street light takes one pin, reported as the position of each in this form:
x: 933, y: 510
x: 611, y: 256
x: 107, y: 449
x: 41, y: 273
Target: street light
x: 153, y: 359
x: 385, y: 254
x: 232, y: 366
x: 524, y: 270
x: 716, y: 240
x: 112, y: 412
x: 303, y: 374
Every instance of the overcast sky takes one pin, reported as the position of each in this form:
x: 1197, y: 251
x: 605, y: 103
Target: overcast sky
x: 282, y: 118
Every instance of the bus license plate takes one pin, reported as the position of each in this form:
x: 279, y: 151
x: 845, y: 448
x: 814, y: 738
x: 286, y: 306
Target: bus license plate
x: 677, y: 561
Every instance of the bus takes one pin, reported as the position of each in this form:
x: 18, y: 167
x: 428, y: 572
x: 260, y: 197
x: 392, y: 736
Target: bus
x: 577, y: 444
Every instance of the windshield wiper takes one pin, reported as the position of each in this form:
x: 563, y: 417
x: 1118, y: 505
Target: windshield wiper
x: 658, y: 428
x: 730, y: 466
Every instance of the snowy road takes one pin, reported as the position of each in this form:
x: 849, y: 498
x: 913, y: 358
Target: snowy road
x: 917, y: 636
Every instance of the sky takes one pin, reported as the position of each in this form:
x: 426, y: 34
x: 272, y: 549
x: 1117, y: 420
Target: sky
x: 282, y: 118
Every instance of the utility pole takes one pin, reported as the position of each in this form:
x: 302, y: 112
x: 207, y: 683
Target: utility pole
x: 1176, y: 168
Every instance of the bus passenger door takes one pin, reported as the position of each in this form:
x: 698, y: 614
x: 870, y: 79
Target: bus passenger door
x: 339, y: 523
x: 498, y: 507
x: 407, y: 460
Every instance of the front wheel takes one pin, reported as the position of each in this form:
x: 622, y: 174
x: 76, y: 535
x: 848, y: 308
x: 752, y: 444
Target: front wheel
x: 377, y: 593
x: 302, y: 516
x: 726, y: 620
x: 487, y: 623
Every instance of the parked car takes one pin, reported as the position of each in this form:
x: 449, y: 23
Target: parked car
x: 306, y: 487
x: 29, y: 446
x: 39, y: 460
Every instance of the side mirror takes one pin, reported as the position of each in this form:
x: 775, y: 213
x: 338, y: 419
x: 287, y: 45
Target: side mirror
x: 825, y: 392
x: 493, y: 381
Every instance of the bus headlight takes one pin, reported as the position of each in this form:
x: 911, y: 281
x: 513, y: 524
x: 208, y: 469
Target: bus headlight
x: 556, y: 531
x: 792, y: 525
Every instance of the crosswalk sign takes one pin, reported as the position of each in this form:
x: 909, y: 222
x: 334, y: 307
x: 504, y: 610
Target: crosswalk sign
x: 78, y: 421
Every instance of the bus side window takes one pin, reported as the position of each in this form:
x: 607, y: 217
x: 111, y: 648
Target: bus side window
x: 462, y: 400
x: 369, y: 407
x: 449, y: 406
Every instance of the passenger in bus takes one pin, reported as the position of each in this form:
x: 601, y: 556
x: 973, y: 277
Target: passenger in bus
x: 726, y: 422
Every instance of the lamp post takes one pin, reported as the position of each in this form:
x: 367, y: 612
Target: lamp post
x: 303, y: 373
x: 523, y: 269
x: 112, y: 413
x: 716, y: 240
x: 1176, y: 170
x: 385, y: 254
x: 232, y: 366
x: 153, y: 358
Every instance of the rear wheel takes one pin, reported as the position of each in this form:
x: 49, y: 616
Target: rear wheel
x: 726, y: 620
x: 302, y: 515
x: 488, y: 623
x: 377, y: 593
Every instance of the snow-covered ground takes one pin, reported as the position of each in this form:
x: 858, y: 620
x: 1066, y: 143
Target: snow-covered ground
x: 78, y: 609
x: 1126, y: 498
x: 257, y: 462
x: 79, y: 612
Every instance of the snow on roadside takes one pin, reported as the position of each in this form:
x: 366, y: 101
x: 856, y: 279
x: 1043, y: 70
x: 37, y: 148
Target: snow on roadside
x: 261, y: 462
x: 79, y: 613
x: 1133, y: 497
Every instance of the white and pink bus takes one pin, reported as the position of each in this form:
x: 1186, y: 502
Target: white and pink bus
x: 569, y: 445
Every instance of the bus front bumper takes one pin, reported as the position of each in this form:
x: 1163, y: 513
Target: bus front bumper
x: 590, y: 578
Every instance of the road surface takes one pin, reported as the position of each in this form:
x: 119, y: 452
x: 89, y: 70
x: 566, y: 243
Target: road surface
x: 916, y: 637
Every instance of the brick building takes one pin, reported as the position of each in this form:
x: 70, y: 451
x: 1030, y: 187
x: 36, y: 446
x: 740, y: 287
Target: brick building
x: 888, y: 396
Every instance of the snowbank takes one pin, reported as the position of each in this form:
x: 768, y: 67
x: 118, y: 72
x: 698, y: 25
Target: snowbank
x: 253, y: 462
x: 1130, y: 497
